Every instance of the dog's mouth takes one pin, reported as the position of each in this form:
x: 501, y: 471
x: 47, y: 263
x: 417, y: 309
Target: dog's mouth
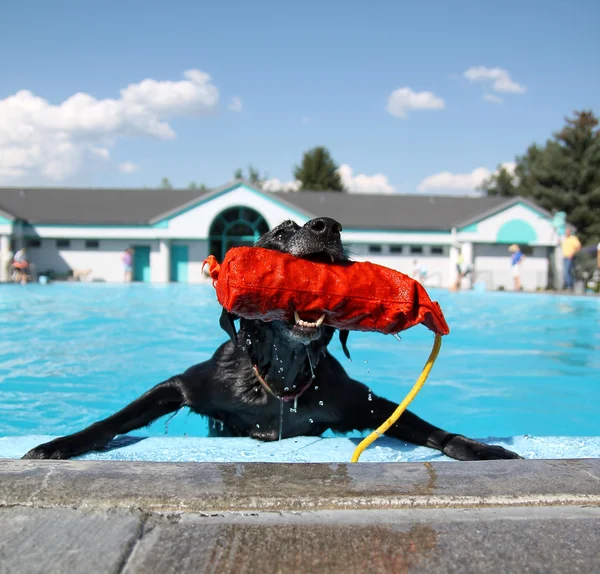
x: 306, y: 330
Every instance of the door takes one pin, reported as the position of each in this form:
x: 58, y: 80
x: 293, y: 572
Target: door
x: 179, y: 263
x: 141, y: 263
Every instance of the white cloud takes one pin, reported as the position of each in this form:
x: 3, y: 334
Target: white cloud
x: 275, y: 184
x: 361, y: 183
x: 235, y: 104
x: 496, y: 79
x: 100, y: 152
x: 128, y: 167
x: 404, y: 99
x: 46, y: 141
x: 493, y: 98
x: 450, y: 183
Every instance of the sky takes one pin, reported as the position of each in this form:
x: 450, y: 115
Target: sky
x: 409, y: 97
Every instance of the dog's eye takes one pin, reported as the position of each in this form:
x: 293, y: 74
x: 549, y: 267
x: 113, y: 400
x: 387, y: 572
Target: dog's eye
x: 279, y: 233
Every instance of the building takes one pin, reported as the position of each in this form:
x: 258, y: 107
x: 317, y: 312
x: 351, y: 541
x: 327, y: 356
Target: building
x: 172, y: 231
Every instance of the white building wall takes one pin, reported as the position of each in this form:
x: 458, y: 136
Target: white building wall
x: 105, y: 261
x: 197, y: 253
x: 487, y: 230
x: 438, y: 271
x: 492, y: 266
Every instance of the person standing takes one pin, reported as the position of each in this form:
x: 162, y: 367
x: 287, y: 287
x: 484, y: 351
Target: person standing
x: 21, y: 266
x: 127, y: 259
x: 570, y: 246
x: 515, y: 263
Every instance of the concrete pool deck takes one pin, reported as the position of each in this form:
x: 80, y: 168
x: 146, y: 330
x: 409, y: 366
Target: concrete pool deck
x: 122, y: 516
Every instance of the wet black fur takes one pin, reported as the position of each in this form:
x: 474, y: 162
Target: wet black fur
x: 226, y: 389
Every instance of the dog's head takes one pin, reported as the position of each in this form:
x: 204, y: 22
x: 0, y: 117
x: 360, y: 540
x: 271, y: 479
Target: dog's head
x: 278, y: 349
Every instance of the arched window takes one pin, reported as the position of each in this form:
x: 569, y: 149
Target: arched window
x: 234, y: 227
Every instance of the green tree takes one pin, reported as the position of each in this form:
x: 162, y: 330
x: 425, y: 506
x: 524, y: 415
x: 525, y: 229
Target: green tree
x: 564, y: 174
x: 165, y: 183
x: 194, y: 185
x: 318, y: 171
x: 253, y: 178
x: 501, y: 183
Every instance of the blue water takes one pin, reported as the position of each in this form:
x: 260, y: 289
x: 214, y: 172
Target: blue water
x: 513, y: 364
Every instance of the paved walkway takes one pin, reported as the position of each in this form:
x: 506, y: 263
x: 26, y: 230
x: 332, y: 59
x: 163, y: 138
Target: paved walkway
x: 498, y: 516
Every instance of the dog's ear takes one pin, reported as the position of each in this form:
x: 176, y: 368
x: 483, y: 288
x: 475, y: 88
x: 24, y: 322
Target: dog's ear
x: 343, y: 341
x: 227, y: 324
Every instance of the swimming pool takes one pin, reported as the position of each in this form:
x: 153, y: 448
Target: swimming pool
x: 513, y: 364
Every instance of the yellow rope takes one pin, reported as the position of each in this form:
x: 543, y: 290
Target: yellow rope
x: 404, y: 404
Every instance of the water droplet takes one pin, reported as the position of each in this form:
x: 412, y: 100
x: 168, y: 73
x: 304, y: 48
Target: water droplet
x: 286, y: 389
x: 311, y: 421
x: 293, y: 386
x: 320, y: 403
x: 256, y: 389
x: 295, y: 403
x: 366, y: 362
x: 368, y: 371
x: 293, y: 410
x: 248, y: 342
x: 349, y: 360
x: 310, y: 363
x: 316, y: 387
x: 371, y: 412
x: 281, y: 369
x: 258, y: 426
x: 397, y: 337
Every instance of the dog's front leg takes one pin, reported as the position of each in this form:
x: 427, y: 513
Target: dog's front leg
x: 365, y: 411
x: 162, y: 399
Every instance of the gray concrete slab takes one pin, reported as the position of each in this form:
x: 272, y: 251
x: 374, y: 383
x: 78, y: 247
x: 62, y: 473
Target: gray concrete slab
x: 217, y: 487
x: 432, y: 541
x: 494, y: 540
x: 34, y: 540
x: 497, y: 516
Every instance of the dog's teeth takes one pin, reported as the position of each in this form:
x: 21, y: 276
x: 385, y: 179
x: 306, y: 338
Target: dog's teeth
x: 297, y: 317
x: 320, y: 320
x: 332, y: 259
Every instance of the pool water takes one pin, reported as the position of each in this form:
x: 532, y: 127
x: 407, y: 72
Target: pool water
x: 513, y: 364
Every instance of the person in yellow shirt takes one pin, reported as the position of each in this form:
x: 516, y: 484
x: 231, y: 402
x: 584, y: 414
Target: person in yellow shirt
x: 570, y: 246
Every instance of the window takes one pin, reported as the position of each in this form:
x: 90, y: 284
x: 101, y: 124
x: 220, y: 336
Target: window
x: 396, y: 249
x: 416, y: 249
x: 63, y: 243
x: 92, y: 244
x: 437, y: 250
x: 375, y: 249
x: 33, y: 243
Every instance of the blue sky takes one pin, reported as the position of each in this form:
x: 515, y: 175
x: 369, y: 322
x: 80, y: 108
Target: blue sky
x: 306, y: 74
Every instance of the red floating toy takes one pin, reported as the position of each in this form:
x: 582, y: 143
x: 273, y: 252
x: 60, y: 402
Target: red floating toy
x: 258, y: 283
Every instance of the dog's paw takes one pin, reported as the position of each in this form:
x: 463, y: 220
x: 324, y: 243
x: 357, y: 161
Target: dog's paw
x: 46, y: 450
x: 463, y: 448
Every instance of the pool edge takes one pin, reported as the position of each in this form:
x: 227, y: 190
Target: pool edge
x: 157, y: 487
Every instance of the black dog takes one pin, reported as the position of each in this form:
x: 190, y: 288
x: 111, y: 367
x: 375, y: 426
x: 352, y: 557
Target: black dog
x: 274, y: 380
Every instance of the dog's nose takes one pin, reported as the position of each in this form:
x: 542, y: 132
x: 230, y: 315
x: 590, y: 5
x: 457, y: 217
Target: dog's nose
x: 325, y: 226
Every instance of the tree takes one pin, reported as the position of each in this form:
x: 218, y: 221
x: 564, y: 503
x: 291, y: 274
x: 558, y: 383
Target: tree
x: 253, y: 178
x: 501, y: 183
x: 165, y: 183
x: 194, y: 185
x: 318, y: 171
x: 563, y: 175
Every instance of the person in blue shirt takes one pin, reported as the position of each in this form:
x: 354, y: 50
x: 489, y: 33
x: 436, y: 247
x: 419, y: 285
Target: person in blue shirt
x: 515, y: 264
